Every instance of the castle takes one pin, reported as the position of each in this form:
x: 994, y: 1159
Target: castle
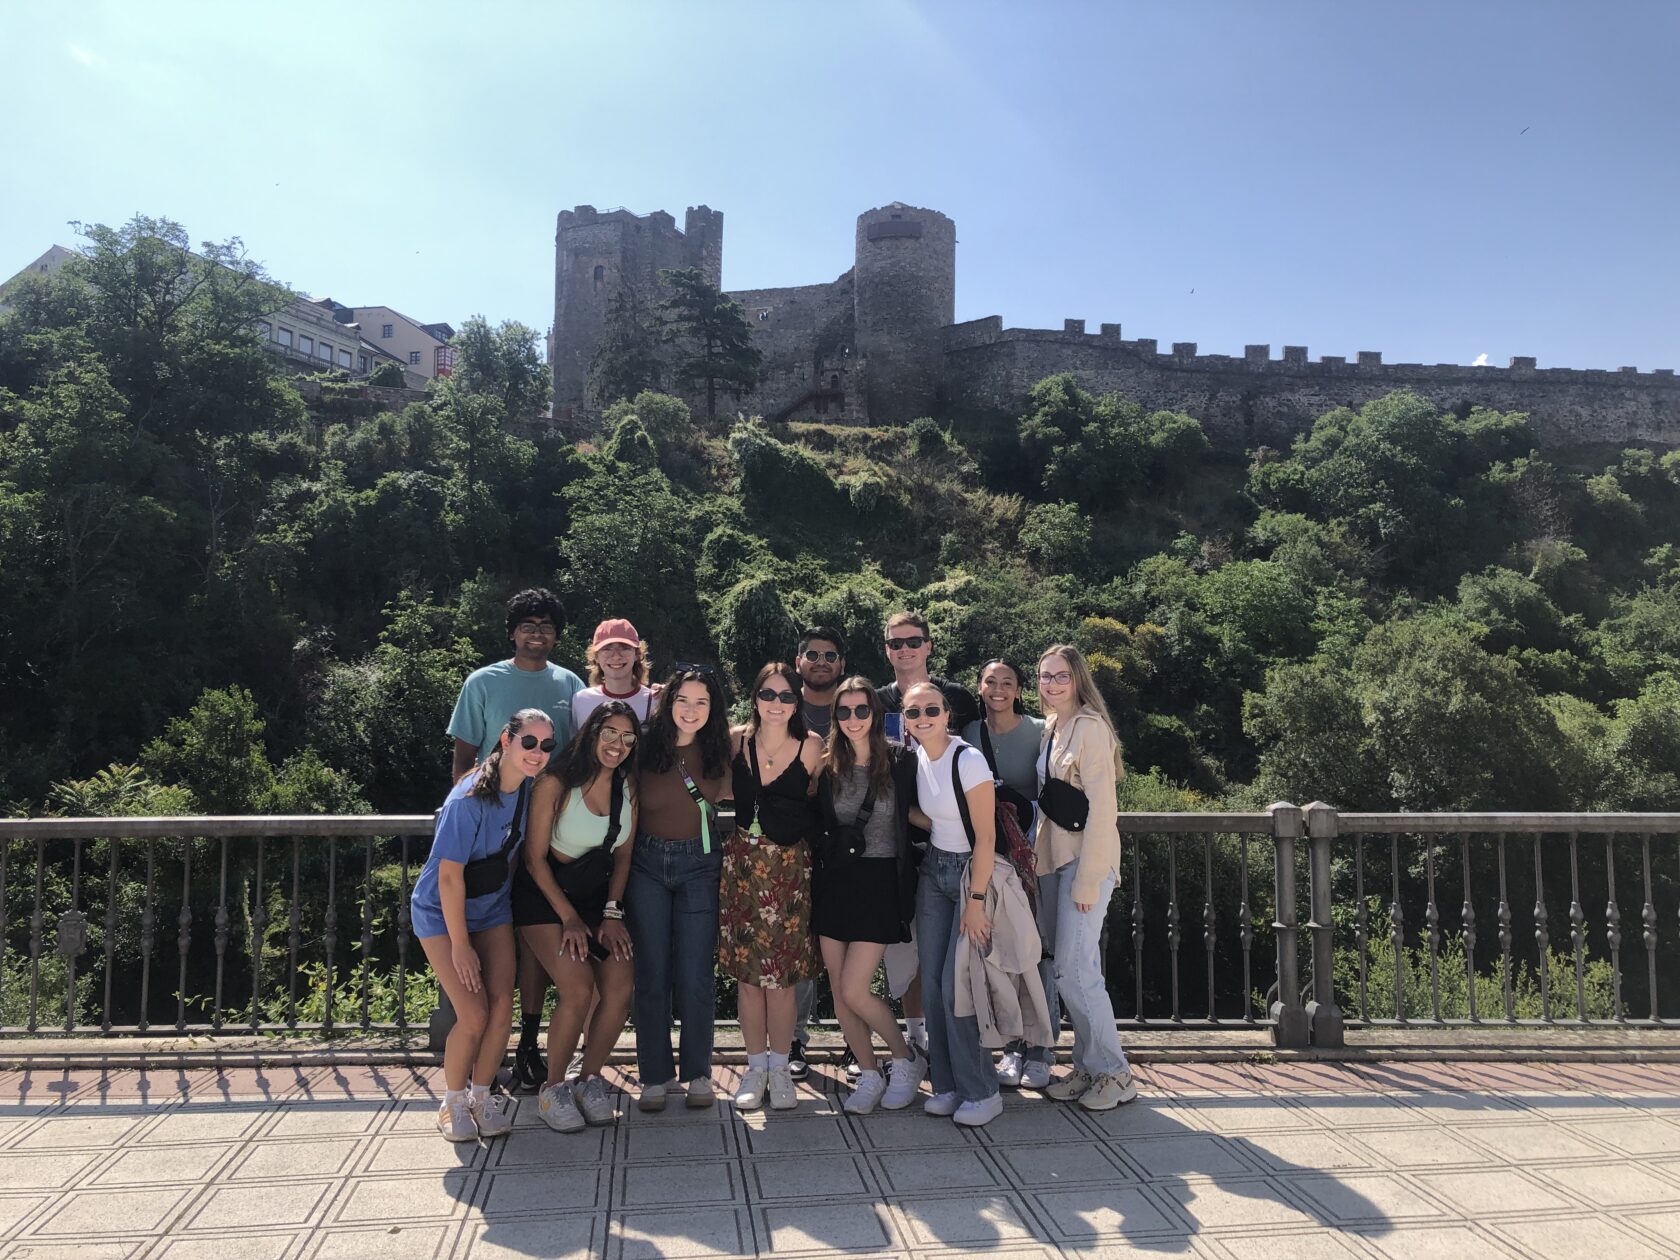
x: 878, y: 345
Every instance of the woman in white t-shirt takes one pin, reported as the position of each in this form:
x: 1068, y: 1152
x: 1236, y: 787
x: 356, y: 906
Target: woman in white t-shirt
x: 965, y: 1086
x: 618, y: 670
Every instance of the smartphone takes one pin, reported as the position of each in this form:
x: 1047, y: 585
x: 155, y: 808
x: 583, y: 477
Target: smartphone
x: 895, y: 726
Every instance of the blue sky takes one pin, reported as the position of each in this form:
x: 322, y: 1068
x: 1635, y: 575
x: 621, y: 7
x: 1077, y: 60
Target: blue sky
x: 1434, y: 181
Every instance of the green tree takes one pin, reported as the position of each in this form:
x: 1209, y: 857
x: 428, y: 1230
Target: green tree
x: 626, y: 361
x: 505, y: 363
x: 711, y: 337
x: 1056, y: 537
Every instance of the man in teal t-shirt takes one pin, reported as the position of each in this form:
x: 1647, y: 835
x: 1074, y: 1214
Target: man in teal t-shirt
x: 528, y: 680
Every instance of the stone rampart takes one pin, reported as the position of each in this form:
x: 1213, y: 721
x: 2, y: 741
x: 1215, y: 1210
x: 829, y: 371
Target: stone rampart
x: 1261, y: 399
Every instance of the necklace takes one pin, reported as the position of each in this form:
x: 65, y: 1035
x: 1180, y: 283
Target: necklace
x: 770, y: 758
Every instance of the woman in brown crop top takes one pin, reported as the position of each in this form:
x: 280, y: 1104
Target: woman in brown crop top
x: 672, y: 899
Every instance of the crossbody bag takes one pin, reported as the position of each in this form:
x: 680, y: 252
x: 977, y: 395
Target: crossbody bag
x: 486, y: 875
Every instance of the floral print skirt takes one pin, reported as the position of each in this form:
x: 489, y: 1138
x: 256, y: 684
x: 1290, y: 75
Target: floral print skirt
x: 764, y: 914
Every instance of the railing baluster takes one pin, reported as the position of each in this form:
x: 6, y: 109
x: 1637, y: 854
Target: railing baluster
x: 1361, y: 927
x: 1505, y: 936
x: 1137, y: 924
x: 1172, y: 918
x: 1207, y: 917
x: 258, y: 925
x: 222, y: 934
x: 148, y: 937
x: 183, y: 936
x: 1247, y: 936
x: 1397, y: 930
x: 1649, y: 917
x: 404, y: 927
x: 5, y: 869
x: 110, y: 931
x: 329, y: 926
x: 72, y: 934
x: 367, y: 924
x: 294, y: 936
x: 1432, y: 928
x: 1467, y: 932
x: 1613, y: 928
x: 1577, y: 928
x: 36, y: 922
x: 1542, y: 934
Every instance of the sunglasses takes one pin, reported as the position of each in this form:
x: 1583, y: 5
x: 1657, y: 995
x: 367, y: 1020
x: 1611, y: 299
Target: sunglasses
x: 768, y: 694
x: 916, y: 711
x: 846, y: 712
x: 528, y: 742
x: 811, y: 654
x: 610, y: 736
x: 689, y: 667
x: 909, y: 641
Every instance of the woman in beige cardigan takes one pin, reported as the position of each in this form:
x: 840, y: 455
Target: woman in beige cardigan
x: 1078, y: 852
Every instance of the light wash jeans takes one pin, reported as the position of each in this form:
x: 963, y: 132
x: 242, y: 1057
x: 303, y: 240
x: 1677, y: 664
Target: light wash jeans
x: 1048, y: 890
x: 956, y: 1060
x: 671, y: 909
x: 805, y: 998
x: 1079, y: 978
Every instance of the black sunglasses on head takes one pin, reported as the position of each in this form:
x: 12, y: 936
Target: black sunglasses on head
x: 770, y: 693
x: 909, y: 641
x: 916, y: 711
x: 846, y: 712
x: 528, y: 742
x: 690, y: 667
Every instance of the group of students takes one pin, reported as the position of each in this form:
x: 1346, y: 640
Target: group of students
x: 967, y: 845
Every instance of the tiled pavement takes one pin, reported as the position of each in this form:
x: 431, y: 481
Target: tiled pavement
x: 1234, y: 1161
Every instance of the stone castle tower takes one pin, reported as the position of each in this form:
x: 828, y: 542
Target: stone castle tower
x: 878, y: 345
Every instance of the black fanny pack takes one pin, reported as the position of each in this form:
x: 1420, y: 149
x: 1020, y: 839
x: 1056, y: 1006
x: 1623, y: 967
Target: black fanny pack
x: 590, y: 874
x: 486, y: 875
x: 1064, y: 804
x: 846, y: 840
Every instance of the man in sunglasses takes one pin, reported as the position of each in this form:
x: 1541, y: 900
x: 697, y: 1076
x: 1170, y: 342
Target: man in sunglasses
x: 489, y: 697
x: 908, y: 646
x: 821, y: 662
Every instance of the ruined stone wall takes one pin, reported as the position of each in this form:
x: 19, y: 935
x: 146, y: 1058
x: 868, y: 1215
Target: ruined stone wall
x: 1257, y: 399
x: 799, y: 331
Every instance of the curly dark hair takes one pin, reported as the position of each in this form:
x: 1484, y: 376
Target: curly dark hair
x: 533, y: 605
x: 659, y: 754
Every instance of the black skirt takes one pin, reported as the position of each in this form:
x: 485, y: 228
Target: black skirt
x: 584, y: 881
x: 858, y: 902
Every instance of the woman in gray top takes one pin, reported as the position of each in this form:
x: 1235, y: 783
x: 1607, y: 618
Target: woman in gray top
x: 860, y: 888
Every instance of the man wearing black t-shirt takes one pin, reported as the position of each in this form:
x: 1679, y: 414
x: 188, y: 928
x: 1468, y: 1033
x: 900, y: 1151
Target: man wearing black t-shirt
x: 908, y: 647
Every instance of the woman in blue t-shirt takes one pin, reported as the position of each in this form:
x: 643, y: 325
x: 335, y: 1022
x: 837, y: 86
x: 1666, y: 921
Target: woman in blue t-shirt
x: 463, y: 915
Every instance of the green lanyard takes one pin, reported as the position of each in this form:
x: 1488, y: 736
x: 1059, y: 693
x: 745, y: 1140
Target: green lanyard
x: 702, y: 802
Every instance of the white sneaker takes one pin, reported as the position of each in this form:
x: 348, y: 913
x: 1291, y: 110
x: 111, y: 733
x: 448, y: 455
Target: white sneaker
x: 652, y: 1097
x: 1109, y: 1090
x: 977, y: 1112
x: 907, y: 1077
x: 1035, y: 1074
x: 751, y: 1094
x: 783, y: 1096
x: 455, y: 1120
x: 701, y: 1094
x: 591, y: 1099
x: 1071, y: 1086
x: 491, y: 1114
x: 870, y: 1087
x: 557, y: 1109
x: 942, y: 1104
x: 1009, y: 1069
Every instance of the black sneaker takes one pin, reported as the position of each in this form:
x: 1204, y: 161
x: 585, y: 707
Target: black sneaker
x: 529, y: 1070
x: 852, y: 1068
x: 798, y: 1068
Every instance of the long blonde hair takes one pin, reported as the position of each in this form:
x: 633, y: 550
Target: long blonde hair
x: 1085, y: 690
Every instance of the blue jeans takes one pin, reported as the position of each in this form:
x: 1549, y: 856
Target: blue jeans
x: 672, y: 914
x: 1079, y: 978
x: 1048, y: 890
x: 956, y: 1060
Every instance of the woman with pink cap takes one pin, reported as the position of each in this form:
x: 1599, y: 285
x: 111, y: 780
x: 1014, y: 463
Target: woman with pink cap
x: 618, y: 670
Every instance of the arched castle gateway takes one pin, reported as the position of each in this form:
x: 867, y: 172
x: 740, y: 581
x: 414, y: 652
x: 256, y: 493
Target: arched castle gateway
x: 877, y: 345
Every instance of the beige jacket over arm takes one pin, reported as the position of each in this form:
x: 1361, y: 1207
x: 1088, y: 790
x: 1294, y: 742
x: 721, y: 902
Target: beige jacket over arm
x: 1000, y: 985
x: 1088, y: 757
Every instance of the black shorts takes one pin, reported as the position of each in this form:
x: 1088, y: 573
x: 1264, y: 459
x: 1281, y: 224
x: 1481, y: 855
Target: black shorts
x: 858, y: 902
x: 585, y: 884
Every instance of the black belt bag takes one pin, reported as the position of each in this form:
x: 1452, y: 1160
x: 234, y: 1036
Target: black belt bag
x: 589, y: 875
x: 487, y: 875
x: 1064, y: 804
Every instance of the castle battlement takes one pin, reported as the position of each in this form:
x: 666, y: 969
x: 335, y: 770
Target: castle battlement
x: 879, y: 345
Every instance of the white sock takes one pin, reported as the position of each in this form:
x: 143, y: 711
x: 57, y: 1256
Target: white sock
x: 761, y: 1061
x: 480, y: 1093
x: 454, y: 1095
x: 777, y: 1060
x: 915, y: 1029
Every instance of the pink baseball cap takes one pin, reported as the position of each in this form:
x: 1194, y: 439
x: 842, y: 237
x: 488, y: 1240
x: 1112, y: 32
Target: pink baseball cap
x: 616, y: 630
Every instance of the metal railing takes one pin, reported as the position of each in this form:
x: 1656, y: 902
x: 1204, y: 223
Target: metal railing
x: 301, y: 924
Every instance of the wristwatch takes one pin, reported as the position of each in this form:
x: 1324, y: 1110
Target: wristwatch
x: 977, y: 896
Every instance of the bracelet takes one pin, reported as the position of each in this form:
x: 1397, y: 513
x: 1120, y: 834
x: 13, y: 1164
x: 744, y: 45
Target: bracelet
x: 614, y: 905
x: 612, y: 912
x: 976, y: 896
